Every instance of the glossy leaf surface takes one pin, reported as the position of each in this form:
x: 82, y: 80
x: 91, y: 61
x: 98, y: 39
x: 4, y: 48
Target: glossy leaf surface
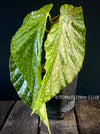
x: 24, y: 93
x: 25, y: 62
x: 26, y: 46
x: 65, y: 50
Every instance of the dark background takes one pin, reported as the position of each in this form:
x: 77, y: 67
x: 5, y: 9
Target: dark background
x: 12, y: 13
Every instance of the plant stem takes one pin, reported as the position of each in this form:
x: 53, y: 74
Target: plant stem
x: 52, y: 22
x: 47, y: 31
x: 54, y: 17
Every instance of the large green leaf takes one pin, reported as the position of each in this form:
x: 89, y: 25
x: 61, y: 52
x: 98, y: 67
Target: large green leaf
x: 26, y: 46
x: 25, y: 60
x: 65, y: 50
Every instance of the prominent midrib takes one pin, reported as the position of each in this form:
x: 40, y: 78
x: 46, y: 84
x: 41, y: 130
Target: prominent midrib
x: 54, y: 59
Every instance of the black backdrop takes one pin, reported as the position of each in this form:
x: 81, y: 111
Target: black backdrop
x: 12, y: 13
